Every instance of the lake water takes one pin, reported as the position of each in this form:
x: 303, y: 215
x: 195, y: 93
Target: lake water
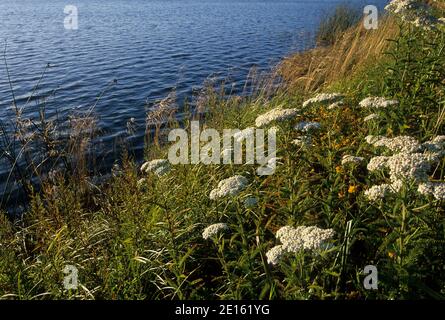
x: 148, y: 46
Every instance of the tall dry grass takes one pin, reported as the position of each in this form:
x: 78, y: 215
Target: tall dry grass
x: 351, y: 52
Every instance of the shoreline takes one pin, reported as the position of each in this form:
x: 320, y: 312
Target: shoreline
x: 357, y: 189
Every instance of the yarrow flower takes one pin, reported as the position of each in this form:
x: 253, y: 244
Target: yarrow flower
x: 413, y: 12
x: 275, y: 254
x: 306, y: 126
x: 408, y: 166
x: 379, y: 192
x: 411, y: 163
x: 434, y: 149
x: 398, y: 144
x: 323, y: 98
x: 229, y: 187
x: 213, y: 230
x: 377, y: 163
x: 302, y: 141
x: 276, y: 114
x: 437, y: 189
x: 373, y: 139
x: 336, y: 105
x: 351, y: 159
x: 372, y: 116
x: 377, y: 102
x: 300, y: 238
x: 158, y: 166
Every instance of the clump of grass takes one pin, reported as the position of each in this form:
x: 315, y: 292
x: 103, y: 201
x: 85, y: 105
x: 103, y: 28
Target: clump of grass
x: 333, y: 25
x: 35, y: 148
x: 354, y: 51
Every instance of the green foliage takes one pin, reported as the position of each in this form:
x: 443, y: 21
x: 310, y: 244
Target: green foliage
x: 133, y: 240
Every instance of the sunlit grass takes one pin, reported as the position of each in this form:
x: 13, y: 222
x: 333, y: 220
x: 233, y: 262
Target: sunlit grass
x: 144, y: 241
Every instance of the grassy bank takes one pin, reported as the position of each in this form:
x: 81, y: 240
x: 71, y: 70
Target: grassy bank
x: 140, y: 236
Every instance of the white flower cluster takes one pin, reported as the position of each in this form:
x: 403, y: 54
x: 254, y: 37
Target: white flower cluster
x: 377, y: 163
x: 414, y: 12
x: 351, y: 159
x: 302, y: 141
x: 436, y: 145
x: 300, y: 238
x: 398, y: 144
x: 158, y: 166
x: 437, y: 189
x: 213, y: 230
x: 229, y: 187
x: 372, y: 116
x: 323, y: 98
x: 373, y: 139
x: 410, y: 163
x: 275, y: 254
x: 377, y: 102
x: 276, y: 114
x: 306, y: 126
x: 378, y: 192
x: 408, y: 167
x: 336, y: 105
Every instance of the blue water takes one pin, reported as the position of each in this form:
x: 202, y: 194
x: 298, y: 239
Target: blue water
x: 148, y: 46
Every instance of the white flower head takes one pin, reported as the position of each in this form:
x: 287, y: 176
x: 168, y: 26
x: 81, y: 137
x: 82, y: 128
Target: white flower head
x: 435, y: 145
x: 336, y: 105
x: 404, y: 144
x: 411, y: 163
x: 158, y: 166
x: 437, y: 189
x: 409, y: 166
x: 372, y: 116
x: 306, y: 126
x: 378, y: 192
x: 213, y: 230
x: 302, y: 141
x: 377, y: 163
x: 323, y: 98
x: 426, y: 188
x: 351, y: 159
x: 377, y: 102
x: 302, y: 237
x: 229, y: 187
x: 276, y: 114
x: 275, y: 254
x: 414, y: 12
x: 374, y: 139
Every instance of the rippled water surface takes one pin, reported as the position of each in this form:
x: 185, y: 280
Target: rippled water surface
x: 148, y: 46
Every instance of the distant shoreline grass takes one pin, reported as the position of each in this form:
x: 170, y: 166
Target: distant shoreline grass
x: 359, y: 183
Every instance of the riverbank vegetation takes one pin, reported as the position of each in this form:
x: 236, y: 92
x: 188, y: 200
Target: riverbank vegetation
x: 359, y: 181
